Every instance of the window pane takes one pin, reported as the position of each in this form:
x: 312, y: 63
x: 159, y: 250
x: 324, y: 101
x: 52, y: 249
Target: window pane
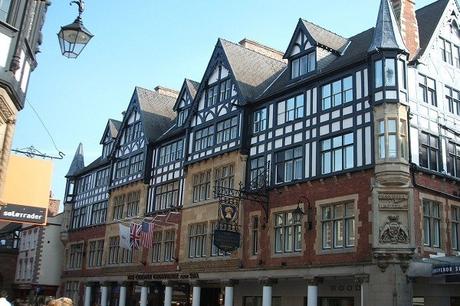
x: 350, y: 232
x: 378, y: 73
x: 390, y: 72
x: 338, y: 233
x: 327, y: 235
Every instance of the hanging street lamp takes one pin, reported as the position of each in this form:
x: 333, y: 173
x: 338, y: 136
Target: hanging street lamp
x: 74, y: 37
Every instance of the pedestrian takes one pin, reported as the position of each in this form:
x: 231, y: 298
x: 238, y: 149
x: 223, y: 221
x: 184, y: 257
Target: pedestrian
x: 60, y: 302
x: 3, y: 300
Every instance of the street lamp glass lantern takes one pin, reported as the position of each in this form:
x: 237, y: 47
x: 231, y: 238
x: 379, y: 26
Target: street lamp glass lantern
x: 73, y: 38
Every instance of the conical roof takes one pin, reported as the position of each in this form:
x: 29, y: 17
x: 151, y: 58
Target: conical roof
x: 386, y: 33
x: 78, y: 161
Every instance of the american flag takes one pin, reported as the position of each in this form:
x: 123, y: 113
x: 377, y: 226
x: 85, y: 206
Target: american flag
x: 135, y: 231
x: 146, y: 235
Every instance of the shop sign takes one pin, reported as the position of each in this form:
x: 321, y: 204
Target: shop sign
x: 446, y: 269
x: 227, y: 241
x: 26, y: 194
x: 22, y: 213
x: 162, y: 276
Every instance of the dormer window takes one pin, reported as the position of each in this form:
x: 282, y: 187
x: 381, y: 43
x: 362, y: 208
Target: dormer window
x: 303, y: 65
x: 213, y: 94
x: 219, y: 92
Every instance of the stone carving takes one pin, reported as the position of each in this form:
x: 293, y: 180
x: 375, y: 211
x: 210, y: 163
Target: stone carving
x: 393, y: 231
x: 393, y: 200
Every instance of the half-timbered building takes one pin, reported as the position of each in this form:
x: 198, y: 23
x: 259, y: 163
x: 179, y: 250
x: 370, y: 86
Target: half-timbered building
x: 334, y: 164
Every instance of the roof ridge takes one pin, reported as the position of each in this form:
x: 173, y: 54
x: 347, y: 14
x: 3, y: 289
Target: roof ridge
x: 430, y: 4
x: 324, y: 28
x: 238, y: 45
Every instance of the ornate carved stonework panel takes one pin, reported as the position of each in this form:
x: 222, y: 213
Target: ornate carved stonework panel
x: 393, y: 201
x: 393, y: 231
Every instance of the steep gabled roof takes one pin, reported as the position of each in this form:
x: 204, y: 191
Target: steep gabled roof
x: 192, y: 87
x: 252, y: 71
x: 325, y: 37
x: 112, y: 127
x: 156, y: 112
x: 97, y: 163
x: 386, y: 34
x: 78, y: 161
x: 356, y: 51
x: 428, y: 18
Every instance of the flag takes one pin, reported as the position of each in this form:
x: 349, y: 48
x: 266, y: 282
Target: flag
x: 135, y: 230
x: 124, y: 236
x: 147, y: 235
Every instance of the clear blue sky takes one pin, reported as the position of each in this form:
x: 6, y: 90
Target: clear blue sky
x: 148, y: 43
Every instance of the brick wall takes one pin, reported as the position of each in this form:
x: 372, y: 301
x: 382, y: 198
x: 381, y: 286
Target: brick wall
x: 356, y: 184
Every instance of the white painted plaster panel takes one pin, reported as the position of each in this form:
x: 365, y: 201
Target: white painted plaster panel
x: 253, y: 151
x: 307, y: 160
x: 335, y: 114
x: 278, y: 132
x: 223, y: 72
x: 347, y: 123
x: 5, y: 42
x: 313, y: 159
x: 324, y: 117
x: 308, y: 103
x: 367, y: 117
x: 348, y: 110
x: 214, y: 76
x: 335, y: 126
x: 288, y: 129
x: 253, y: 140
x: 261, y: 148
x: 262, y: 137
x: 414, y: 145
x: 324, y: 129
x: 278, y: 143
x: 297, y: 137
x: 366, y: 89
x: 359, y: 147
x: 358, y: 85
x: 287, y: 140
x: 298, y: 126
x: 368, y: 144
x: 314, y: 101
x: 270, y: 116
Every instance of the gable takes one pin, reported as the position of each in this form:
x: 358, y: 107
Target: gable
x: 300, y: 41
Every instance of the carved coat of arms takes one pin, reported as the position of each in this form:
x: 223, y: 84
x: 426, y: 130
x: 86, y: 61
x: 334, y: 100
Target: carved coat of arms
x: 393, y: 231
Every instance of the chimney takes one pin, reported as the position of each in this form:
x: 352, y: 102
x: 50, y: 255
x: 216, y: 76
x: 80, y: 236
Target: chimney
x: 262, y: 49
x: 405, y: 15
x: 166, y: 92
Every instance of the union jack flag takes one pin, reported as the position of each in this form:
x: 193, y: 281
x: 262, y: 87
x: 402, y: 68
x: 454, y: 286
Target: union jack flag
x: 134, y: 237
x: 146, y: 235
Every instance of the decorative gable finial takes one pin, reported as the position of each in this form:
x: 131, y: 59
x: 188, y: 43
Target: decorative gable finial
x: 387, y: 34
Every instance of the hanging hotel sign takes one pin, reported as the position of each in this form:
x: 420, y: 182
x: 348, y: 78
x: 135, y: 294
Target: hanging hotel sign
x: 226, y: 233
x: 26, y: 192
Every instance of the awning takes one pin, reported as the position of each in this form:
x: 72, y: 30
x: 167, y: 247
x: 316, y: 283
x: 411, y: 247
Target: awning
x: 437, y: 266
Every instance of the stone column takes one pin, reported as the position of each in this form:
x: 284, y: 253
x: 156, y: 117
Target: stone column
x: 267, y: 284
x: 196, y: 296
x: 168, y: 292
x: 144, y: 294
x: 229, y: 292
x: 122, y: 300
x: 104, y: 293
x: 87, y: 294
x: 5, y: 149
x: 362, y: 280
x: 312, y: 291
